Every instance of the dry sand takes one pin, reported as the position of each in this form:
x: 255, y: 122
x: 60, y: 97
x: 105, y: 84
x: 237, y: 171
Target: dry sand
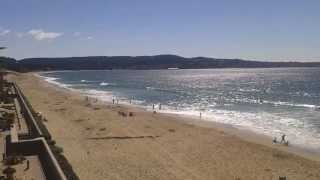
x: 100, y: 144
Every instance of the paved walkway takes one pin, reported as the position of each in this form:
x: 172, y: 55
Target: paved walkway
x: 20, y: 122
x: 33, y: 172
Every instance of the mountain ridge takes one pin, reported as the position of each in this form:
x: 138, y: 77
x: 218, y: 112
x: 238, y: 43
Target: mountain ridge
x: 162, y: 61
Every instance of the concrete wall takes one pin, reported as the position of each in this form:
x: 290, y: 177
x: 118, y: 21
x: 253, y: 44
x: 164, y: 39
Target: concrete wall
x: 35, y: 143
x: 37, y: 129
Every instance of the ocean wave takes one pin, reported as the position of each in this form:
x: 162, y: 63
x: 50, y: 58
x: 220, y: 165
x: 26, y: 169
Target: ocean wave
x: 97, y: 93
x: 249, y: 90
x: 53, y: 80
x: 304, y: 94
x: 78, y: 85
x: 107, y: 84
x: 171, y: 91
x: 108, y: 96
x: 274, y: 103
x: 279, y: 103
x: 88, y: 81
x: 104, y: 84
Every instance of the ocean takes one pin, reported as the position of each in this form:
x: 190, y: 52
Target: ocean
x: 272, y: 101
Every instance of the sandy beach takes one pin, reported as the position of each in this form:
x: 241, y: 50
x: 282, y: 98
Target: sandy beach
x: 101, y: 144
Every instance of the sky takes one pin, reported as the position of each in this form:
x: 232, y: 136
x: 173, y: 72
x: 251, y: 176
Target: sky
x: 269, y: 30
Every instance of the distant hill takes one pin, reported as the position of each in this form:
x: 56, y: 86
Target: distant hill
x: 140, y: 62
x: 8, y: 63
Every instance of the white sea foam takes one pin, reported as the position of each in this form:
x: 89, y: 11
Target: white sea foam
x: 101, y: 95
x: 108, y: 96
x: 104, y: 84
x: 278, y: 103
x: 248, y: 90
x: 88, y: 81
x: 54, y: 81
x: 275, y: 103
x: 105, y: 96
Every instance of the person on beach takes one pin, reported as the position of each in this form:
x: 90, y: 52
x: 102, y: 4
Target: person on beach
x: 28, y: 166
x: 283, y: 138
x: 274, y: 140
x: 286, y: 143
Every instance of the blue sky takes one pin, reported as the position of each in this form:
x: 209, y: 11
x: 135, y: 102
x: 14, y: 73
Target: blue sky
x: 250, y: 29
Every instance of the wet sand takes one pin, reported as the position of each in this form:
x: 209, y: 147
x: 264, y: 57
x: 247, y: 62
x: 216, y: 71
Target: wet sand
x: 101, y: 144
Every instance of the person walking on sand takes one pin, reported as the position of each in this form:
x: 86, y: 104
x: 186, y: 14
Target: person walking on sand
x: 283, y: 138
x: 274, y: 141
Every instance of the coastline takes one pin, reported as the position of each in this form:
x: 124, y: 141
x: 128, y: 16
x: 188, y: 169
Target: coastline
x: 208, y: 134
x: 239, y: 131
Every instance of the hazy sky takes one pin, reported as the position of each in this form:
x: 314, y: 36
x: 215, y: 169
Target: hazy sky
x: 250, y: 29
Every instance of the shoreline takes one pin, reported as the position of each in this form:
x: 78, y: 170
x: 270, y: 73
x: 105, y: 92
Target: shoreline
x: 213, y: 149
x: 239, y: 131
x: 247, y: 135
